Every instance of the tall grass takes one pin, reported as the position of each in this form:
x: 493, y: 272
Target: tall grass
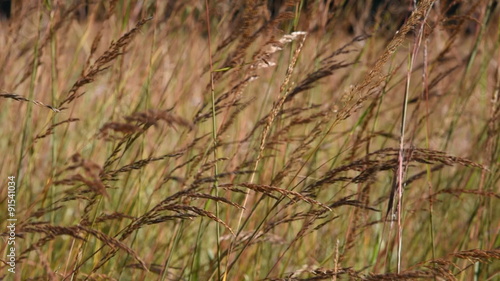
x: 215, y: 140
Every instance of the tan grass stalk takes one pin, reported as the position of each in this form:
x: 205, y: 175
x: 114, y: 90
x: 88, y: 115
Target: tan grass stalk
x: 21, y: 98
x: 402, y: 170
x: 274, y: 111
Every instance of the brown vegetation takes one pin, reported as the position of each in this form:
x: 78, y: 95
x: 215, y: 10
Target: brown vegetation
x: 218, y: 140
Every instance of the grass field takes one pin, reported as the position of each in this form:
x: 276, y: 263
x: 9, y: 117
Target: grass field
x: 218, y: 140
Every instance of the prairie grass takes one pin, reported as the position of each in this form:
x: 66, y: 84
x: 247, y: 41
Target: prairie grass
x: 216, y: 140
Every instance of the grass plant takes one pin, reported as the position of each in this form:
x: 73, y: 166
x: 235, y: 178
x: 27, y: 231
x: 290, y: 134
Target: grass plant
x: 221, y: 140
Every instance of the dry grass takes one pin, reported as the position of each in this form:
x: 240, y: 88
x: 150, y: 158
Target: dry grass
x: 320, y: 141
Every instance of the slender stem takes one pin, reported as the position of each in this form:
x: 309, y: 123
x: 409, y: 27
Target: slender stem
x: 214, y: 136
